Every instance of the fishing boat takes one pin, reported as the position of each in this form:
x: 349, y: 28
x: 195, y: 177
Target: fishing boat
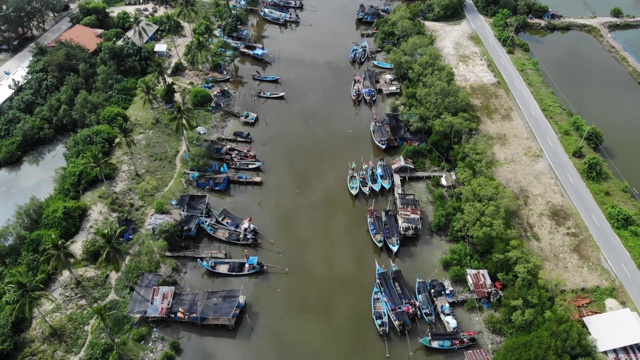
x: 447, y: 341
x: 391, y: 229
x: 384, y: 174
x: 362, y: 178
x: 228, y: 219
x: 244, y: 164
x: 374, y: 220
x: 353, y: 55
x: 424, y: 301
x: 267, y: 15
x: 239, y: 153
x: 360, y: 12
x: 404, y: 293
x: 233, y: 267
x: 211, y: 184
x: 363, y: 52
x: 356, y: 89
x: 439, y: 293
x: 395, y: 308
x: 382, y: 64
x: 293, y: 4
x: 249, y: 117
x: 270, y: 95
x: 379, y: 134
x: 379, y: 311
x: 265, y: 78
x: 227, y: 234
x: 352, y: 180
x: 372, y: 178
x: 370, y: 95
x: 217, y: 79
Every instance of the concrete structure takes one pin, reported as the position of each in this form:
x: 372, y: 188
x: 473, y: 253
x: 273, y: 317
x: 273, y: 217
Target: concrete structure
x: 615, y: 330
x: 82, y: 35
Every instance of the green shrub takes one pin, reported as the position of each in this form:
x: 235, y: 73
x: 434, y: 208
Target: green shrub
x: 167, y: 355
x: 616, y: 12
x: 160, y: 207
x: 92, y: 249
x: 140, y: 333
x: 620, y: 218
x: 174, y: 345
x: 102, y: 136
x: 98, y: 349
x: 594, y: 168
x: 64, y: 216
x: 90, y: 21
x: 200, y: 97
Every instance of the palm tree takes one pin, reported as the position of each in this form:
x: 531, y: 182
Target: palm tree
x: 186, y: 10
x: 99, y: 162
x: 27, y: 291
x: 158, y: 69
x: 100, y: 311
x: 139, y: 31
x: 125, y: 136
x: 110, y: 234
x: 197, y: 51
x: 147, y: 88
x: 57, y: 253
x: 182, y: 119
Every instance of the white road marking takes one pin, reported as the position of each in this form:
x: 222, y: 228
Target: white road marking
x: 594, y: 219
x: 531, y: 109
x: 625, y: 269
x: 569, y: 176
x: 517, y: 87
x: 549, y: 142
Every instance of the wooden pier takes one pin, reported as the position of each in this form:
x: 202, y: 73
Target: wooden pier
x: 458, y: 298
x: 233, y: 138
x: 196, y: 254
x: 423, y: 175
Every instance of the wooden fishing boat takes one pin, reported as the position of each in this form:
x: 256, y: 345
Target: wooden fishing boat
x: 424, y: 300
x: 233, y: 267
x: 439, y: 292
x: 384, y: 174
x: 293, y: 4
x: 378, y: 134
x: 226, y: 218
x: 271, y: 18
x: 397, y: 315
x: 360, y: 12
x: 249, y: 118
x: 379, y: 311
x: 382, y: 64
x: 226, y: 234
x: 244, y: 135
x: 353, y: 55
x: 217, y: 79
x: 370, y: 95
x: 238, y: 153
x: 362, y: 178
x: 363, y: 52
x: 291, y: 18
x: 244, y: 164
x: 372, y: 178
x: 404, y: 293
x: 352, y: 182
x: 265, y: 78
x: 356, y: 89
x: 270, y: 95
x: 447, y: 341
x: 391, y: 229
x: 374, y: 220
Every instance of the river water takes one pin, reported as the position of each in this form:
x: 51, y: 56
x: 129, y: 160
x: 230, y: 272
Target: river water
x: 33, y: 176
x: 585, y: 8
x: 321, y: 309
x: 587, y: 78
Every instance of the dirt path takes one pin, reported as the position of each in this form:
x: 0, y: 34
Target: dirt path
x: 567, y: 251
x: 86, y: 343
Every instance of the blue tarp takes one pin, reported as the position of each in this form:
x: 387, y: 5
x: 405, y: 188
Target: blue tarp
x: 253, y: 260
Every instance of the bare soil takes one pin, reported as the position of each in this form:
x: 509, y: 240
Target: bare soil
x: 553, y: 230
x: 97, y: 213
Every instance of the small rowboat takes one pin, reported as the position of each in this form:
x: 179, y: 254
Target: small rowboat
x: 424, y: 300
x: 372, y: 178
x: 447, y: 341
x: 243, y: 135
x: 382, y: 64
x: 234, y: 267
x: 270, y: 95
x: 363, y: 52
x: 272, y: 18
x: 238, y: 153
x: 227, y: 234
x: 378, y: 134
x: 356, y: 89
x: 265, y: 78
x: 249, y: 118
x: 217, y: 79
x: 245, y: 165
x: 362, y: 178
x: 352, y: 181
x: 294, y: 4
x: 374, y: 220
x: 391, y: 229
x: 384, y: 174
x: 379, y: 311
x: 353, y: 55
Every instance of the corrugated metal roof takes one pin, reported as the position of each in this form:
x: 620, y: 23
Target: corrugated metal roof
x: 478, y: 354
x: 614, y: 329
x: 479, y: 282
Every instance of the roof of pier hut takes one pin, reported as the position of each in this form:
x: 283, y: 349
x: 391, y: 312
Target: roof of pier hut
x: 614, y: 329
x: 478, y: 354
x: 479, y: 282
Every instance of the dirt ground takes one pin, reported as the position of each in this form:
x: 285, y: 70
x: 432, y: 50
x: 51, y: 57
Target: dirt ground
x: 555, y: 232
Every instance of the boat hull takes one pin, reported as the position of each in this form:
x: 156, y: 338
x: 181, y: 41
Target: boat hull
x: 382, y: 65
x: 379, y: 312
x: 271, y: 95
x: 375, y: 228
x: 211, y: 266
x: 269, y: 78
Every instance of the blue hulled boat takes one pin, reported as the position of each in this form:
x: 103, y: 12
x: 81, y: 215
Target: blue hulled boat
x: 384, y: 174
x: 447, y: 341
x: 372, y: 178
x: 362, y: 178
x: 267, y: 15
x: 363, y: 52
x: 353, y: 55
x: 395, y: 308
x: 382, y: 64
x: 391, y: 229
x: 233, y: 267
x: 376, y: 230
x: 379, y: 311
x: 265, y: 78
x: 425, y: 302
x: 227, y: 234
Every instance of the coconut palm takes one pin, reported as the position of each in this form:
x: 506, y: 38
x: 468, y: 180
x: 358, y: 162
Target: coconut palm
x: 101, y: 163
x: 158, y: 70
x: 100, y: 311
x: 125, y: 136
x: 58, y: 255
x: 186, y: 10
x: 198, y: 51
x: 147, y: 88
x: 139, y: 31
x: 113, y: 253
x: 27, y: 291
x: 182, y: 118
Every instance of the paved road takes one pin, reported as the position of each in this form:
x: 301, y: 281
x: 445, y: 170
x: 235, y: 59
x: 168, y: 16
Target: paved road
x: 611, y: 247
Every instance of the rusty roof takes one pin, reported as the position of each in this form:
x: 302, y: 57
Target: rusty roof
x: 478, y: 354
x: 479, y: 282
x: 82, y: 35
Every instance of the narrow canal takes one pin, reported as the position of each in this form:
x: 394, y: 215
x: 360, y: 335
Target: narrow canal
x: 587, y: 78
x: 33, y: 176
x: 321, y: 309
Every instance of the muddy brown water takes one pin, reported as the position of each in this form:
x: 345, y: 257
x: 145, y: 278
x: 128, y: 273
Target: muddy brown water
x: 585, y: 8
x: 321, y: 309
